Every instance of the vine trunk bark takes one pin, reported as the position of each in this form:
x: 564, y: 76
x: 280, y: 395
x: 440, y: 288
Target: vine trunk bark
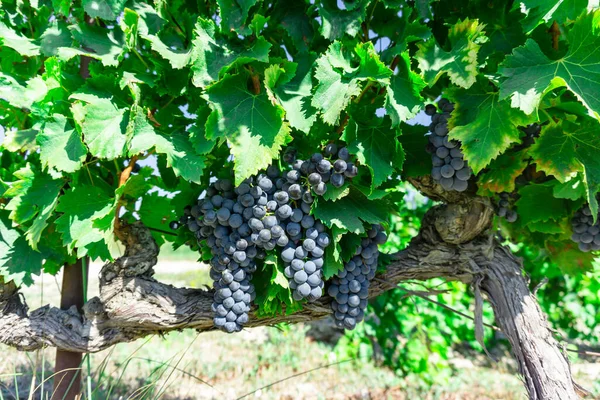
x: 67, y: 367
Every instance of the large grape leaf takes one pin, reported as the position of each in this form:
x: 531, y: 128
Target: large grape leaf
x: 179, y: 151
x: 210, y: 56
x: 61, y: 146
x: 375, y: 146
x: 18, y: 261
x: 252, y: 125
x: 339, y: 79
x: 460, y: 61
x: 105, y: 9
x: 103, y: 127
x: 565, y: 148
x: 544, y: 11
x: 294, y: 95
x: 413, y: 141
x: 234, y: 14
x: 485, y: 125
x: 84, y: 207
x: 337, y: 23
x: 23, y: 140
x: 502, y: 173
x: 537, y: 204
x: 403, y: 99
x: 104, y: 44
x: 530, y: 73
x: 21, y: 96
x: 16, y: 41
x: 57, y: 35
x: 568, y: 257
x: 351, y: 212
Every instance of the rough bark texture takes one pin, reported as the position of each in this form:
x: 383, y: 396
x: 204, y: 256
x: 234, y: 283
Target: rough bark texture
x: 455, y: 243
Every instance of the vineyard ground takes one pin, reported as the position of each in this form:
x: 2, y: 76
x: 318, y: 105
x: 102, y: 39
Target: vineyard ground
x: 234, y: 365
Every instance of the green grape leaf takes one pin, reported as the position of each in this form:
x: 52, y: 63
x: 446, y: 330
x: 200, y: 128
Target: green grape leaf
x: 333, y: 254
x: 351, y: 212
x: 531, y: 209
x: 295, y: 95
x: 105, y: 45
x: 564, y: 148
x: 251, y: 124
x: 568, y: 257
x: 529, y: 73
x: 106, y: 9
x: 403, y: 96
x: 57, y: 35
x: 209, y: 57
x: 485, y: 125
x: 333, y: 93
x: 21, y: 96
x: 18, y: 261
x: 23, y: 140
x: 417, y: 161
x: 234, y: 14
x: 156, y: 212
x: 31, y: 193
x: 376, y: 147
x: 572, y: 189
x: 61, y: 146
x: 502, y: 173
x: 294, y: 19
x: 104, y: 128
x: 84, y: 207
x: 18, y: 42
x: 337, y: 23
x: 460, y: 62
x: 544, y: 11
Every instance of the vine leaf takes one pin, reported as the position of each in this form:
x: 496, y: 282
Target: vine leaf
x: 565, y: 147
x: 485, y: 125
x: 209, y: 56
x: 61, y: 146
x: 234, y: 14
x: 105, y: 9
x: 460, y: 61
x: 337, y: 23
x: 339, y: 78
x: 375, y: 146
x: 86, y: 221
x: 530, y: 73
x: 103, y: 125
x: 178, y: 149
x: 351, y: 212
x: 34, y: 197
x: 403, y: 99
x: 252, y: 125
x: 502, y: 173
x: 543, y: 11
x: 21, y: 96
x: 16, y: 41
x: 105, y: 45
x: 531, y: 209
x: 18, y: 261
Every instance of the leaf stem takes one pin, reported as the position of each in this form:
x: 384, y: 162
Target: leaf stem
x: 125, y: 174
x: 555, y: 33
x: 140, y: 57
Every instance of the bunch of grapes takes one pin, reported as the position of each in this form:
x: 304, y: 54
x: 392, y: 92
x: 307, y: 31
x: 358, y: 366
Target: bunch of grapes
x: 350, y: 287
x: 586, y: 233
x: 505, y: 208
x: 271, y: 210
x: 449, y: 167
x: 335, y: 166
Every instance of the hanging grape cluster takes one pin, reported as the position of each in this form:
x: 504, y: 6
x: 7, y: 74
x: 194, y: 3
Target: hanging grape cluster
x: 586, y: 233
x: 271, y: 210
x: 450, y: 169
x: 505, y: 208
x: 350, y: 287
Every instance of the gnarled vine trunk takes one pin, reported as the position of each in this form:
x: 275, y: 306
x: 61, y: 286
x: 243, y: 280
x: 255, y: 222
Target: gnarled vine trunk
x: 455, y: 243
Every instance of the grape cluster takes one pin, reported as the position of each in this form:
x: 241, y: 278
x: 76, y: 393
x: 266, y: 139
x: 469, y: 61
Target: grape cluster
x: 586, y: 233
x: 450, y: 169
x: 334, y: 167
x: 270, y: 210
x: 350, y: 287
x: 505, y: 208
